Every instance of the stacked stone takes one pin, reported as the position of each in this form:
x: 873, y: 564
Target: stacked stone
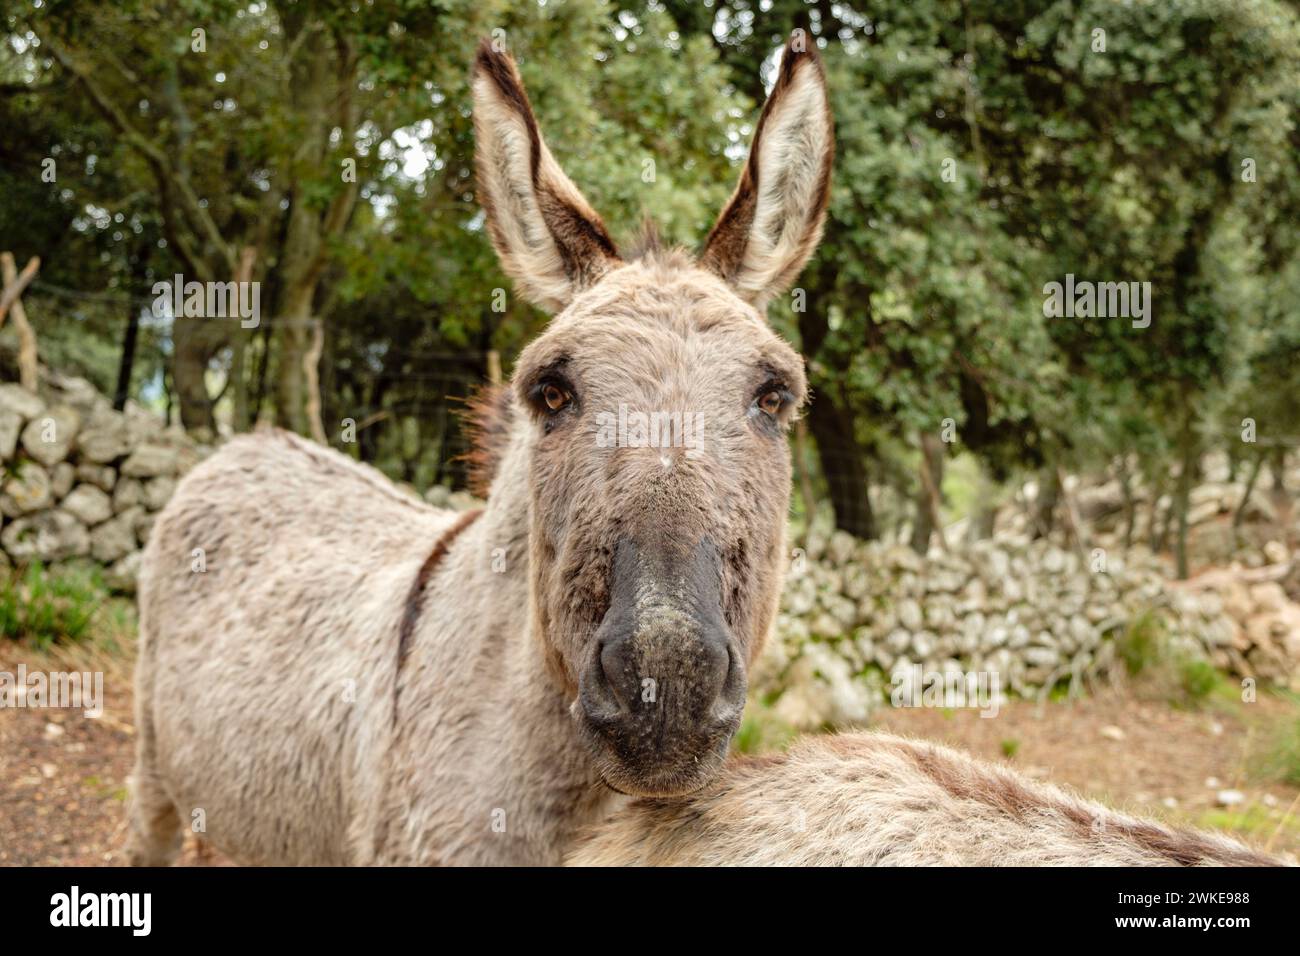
x: 854, y: 612
x: 81, y: 480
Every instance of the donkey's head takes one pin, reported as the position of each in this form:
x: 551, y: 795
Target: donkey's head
x: 657, y: 403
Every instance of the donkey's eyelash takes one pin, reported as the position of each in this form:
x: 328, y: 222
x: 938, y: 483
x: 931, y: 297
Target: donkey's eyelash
x: 536, y: 389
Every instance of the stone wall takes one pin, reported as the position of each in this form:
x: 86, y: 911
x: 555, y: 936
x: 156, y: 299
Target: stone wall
x: 853, y: 613
x: 81, y: 480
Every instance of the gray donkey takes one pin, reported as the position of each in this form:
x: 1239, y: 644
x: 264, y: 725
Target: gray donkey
x: 331, y: 672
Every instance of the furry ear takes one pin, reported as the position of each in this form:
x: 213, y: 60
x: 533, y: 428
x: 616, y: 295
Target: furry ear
x: 774, y: 219
x: 551, y: 242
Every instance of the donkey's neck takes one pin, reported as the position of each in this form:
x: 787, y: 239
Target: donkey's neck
x: 506, y: 756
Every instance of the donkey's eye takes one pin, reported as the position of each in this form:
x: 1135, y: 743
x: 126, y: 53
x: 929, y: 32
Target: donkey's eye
x: 772, y: 401
x: 555, y: 397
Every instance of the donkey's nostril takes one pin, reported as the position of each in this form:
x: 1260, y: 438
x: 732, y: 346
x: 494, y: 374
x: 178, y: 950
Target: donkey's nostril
x: 729, y: 700
x: 611, y: 673
x: 717, y: 671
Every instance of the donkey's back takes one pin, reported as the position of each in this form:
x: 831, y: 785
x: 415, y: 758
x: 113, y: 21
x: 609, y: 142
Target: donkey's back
x: 271, y: 593
x: 878, y: 800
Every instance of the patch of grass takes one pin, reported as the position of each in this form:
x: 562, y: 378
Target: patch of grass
x: 1060, y: 691
x: 1283, y: 759
x: 1254, y: 820
x: 103, y: 790
x: 1163, y: 670
x: 1198, y: 679
x: 49, y: 606
x: 1143, y: 642
x: 1010, y: 747
x: 761, y: 731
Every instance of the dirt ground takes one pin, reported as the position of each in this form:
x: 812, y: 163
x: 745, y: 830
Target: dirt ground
x: 63, y: 776
x: 1188, y: 767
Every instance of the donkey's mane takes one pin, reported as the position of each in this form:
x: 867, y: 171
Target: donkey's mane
x: 647, y: 247
x: 488, y: 416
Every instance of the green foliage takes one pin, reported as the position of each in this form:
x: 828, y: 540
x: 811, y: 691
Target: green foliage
x: 1142, y: 643
x: 984, y: 149
x: 49, y: 606
x: 1198, y: 680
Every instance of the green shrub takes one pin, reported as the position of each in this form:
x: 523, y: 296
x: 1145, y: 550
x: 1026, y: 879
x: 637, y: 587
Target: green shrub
x: 49, y: 606
x: 1143, y: 642
x: 1198, y: 679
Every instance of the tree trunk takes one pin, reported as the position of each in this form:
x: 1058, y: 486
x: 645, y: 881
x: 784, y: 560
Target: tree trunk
x: 928, y: 516
x: 193, y: 347
x: 1153, y: 511
x: 1277, y: 468
x: 1281, y: 498
x: 804, y: 467
x: 311, y: 382
x: 1049, y: 492
x: 260, y: 376
x: 1130, y: 504
x: 240, y: 419
x: 293, y: 325
x: 843, y: 465
x: 1185, y: 479
x: 830, y: 419
x: 1255, y: 468
x: 322, y: 78
x: 983, y: 518
x: 1072, y: 516
x: 14, y: 283
x: 127, y: 361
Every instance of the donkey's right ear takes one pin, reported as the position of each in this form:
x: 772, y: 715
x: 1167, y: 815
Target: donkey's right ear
x: 550, y: 240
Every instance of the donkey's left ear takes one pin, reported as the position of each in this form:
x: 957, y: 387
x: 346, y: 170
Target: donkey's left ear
x: 549, y: 239
x: 774, y: 219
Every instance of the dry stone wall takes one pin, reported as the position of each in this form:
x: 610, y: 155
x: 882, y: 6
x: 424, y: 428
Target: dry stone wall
x: 854, y: 614
x: 82, y: 481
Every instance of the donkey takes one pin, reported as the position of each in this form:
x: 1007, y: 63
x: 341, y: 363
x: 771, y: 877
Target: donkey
x: 357, y: 678
x: 873, y: 799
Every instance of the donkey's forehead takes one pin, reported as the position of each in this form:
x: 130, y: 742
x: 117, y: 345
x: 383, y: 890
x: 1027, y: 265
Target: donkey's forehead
x: 649, y: 317
x: 659, y: 300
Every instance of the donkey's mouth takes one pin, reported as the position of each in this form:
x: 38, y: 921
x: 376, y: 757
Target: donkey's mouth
x: 678, y: 779
x: 642, y: 758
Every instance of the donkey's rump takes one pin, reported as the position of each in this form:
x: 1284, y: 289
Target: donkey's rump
x: 271, y: 594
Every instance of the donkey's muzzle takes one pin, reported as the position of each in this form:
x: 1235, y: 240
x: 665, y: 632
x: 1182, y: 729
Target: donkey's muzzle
x: 664, y: 689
